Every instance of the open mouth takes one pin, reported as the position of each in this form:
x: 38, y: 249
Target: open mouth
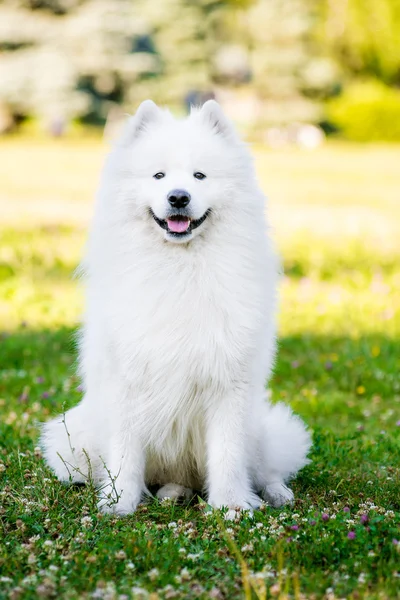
x: 179, y: 225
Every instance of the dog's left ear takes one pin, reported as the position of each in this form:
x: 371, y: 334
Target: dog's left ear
x: 213, y: 115
x: 147, y: 113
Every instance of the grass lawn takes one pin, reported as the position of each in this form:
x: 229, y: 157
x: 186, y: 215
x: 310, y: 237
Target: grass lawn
x: 336, y: 219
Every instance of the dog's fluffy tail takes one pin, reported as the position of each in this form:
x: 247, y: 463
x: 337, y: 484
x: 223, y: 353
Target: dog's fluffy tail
x: 283, y: 447
x: 283, y: 443
x: 286, y: 442
x: 68, y: 448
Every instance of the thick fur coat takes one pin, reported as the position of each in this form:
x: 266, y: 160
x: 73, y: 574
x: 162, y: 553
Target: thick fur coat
x: 178, y: 338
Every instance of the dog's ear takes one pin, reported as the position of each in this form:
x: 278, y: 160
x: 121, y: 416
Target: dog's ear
x: 147, y: 113
x: 212, y: 114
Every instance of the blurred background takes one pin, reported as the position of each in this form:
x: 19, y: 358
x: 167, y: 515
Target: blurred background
x: 275, y: 65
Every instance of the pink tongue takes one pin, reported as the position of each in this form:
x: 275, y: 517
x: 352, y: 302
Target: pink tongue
x: 178, y: 226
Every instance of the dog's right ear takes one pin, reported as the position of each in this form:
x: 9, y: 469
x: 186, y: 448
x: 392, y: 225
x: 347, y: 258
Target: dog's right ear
x: 213, y: 115
x: 147, y: 113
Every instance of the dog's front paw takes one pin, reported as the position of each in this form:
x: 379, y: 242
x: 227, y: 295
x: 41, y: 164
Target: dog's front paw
x: 120, y: 502
x: 277, y: 494
x: 235, y: 503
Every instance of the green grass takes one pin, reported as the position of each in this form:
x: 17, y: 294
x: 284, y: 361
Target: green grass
x: 336, y: 219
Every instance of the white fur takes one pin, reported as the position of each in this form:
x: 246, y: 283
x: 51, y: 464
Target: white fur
x: 178, y: 339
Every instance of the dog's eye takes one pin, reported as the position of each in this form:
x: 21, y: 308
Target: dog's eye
x: 159, y: 175
x: 199, y: 175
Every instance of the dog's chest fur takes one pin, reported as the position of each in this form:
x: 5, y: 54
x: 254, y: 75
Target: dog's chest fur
x: 185, y: 324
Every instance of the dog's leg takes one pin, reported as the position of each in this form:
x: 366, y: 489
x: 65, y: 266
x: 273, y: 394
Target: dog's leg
x: 174, y: 491
x: 122, y: 489
x: 227, y: 469
x: 284, y: 444
x: 277, y: 494
x: 70, y: 448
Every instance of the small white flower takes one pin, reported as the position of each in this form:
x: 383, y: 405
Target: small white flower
x: 153, y: 574
x: 29, y: 579
x: 34, y: 539
x: 139, y: 593
x: 86, y: 522
x: 169, y: 592
x: 194, y: 556
x: 167, y: 500
x: 185, y: 574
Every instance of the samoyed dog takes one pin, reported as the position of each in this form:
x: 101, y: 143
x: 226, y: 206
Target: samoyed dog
x: 178, y: 338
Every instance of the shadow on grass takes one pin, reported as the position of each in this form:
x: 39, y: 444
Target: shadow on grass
x: 307, y: 365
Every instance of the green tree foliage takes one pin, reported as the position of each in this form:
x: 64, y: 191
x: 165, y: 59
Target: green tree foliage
x: 288, y: 68
x: 77, y: 58
x: 367, y: 111
x: 364, y: 36
x: 270, y: 61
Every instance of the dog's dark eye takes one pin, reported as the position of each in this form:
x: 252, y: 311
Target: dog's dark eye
x: 159, y: 175
x: 199, y: 175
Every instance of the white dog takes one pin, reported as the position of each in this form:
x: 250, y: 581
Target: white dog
x: 179, y: 334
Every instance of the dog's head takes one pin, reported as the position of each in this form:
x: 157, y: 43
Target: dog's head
x: 183, y: 174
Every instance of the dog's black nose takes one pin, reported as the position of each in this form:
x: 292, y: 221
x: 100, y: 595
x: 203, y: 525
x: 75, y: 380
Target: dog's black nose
x: 178, y: 198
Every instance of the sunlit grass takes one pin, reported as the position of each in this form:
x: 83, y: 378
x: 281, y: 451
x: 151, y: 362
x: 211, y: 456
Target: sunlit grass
x: 336, y: 219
